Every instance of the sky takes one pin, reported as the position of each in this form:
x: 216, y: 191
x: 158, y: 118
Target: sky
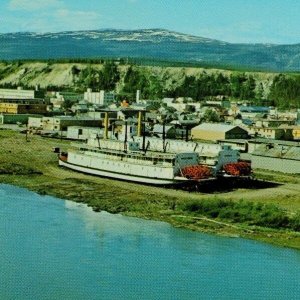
x: 236, y: 21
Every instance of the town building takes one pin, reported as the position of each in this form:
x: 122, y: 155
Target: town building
x: 35, y: 122
x: 294, y: 131
x: 83, y: 133
x: 17, y: 108
x: 273, y: 122
x: 101, y: 98
x: 221, y: 102
x: 217, y: 131
x: 169, y: 130
x: 19, y: 94
x: 16, y: 118
x: 267, y: 132
x: 255, y: 143
x: 277, y: 158
x: 236, y: 144
x: 61, y: 123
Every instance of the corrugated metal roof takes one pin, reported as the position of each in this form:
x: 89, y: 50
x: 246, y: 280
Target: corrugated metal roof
x: 73, y: 118
x: 283, y: 152
x: 259, y: 140
x: 216, y: 127
x: 254, y: 109
x: 159, y: 128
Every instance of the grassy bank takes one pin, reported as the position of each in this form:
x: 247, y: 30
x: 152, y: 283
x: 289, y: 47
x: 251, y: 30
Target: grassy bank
x: 255, y: 212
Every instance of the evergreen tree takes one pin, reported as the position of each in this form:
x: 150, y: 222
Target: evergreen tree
x: 211, y: 115
x: 109, y: 76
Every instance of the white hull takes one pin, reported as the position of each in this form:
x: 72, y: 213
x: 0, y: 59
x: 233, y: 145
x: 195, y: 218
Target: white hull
x: 122, y: 176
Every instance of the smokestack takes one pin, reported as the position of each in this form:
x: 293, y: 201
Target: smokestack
x: 105, y: 125
x: 164, y: 136
x: 126, y: 137
x: 186, y: 134
x: 139, y: 133
x: 137, y: 100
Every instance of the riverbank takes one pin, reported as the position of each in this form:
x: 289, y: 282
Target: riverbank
x: 31, y: 164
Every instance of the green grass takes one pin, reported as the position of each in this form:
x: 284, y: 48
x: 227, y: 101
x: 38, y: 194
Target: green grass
x: 250, y: 213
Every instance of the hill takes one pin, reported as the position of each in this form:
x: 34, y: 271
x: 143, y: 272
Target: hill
x: 153, y: 44
x: 154, y: 82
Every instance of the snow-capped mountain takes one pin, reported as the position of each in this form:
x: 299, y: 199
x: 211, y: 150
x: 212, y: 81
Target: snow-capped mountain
x: 146, y: 35
x: 148, y: 43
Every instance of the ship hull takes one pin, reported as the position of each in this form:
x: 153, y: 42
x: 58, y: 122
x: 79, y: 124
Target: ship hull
x: 123, y: 176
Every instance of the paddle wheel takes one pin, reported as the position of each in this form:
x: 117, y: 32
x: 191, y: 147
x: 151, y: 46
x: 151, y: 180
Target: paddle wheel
x: 196, y: 172
x: 238, y: 168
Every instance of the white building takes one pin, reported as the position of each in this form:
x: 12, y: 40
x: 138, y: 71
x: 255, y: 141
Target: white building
x: 18, y: 93
x: 83, y: 133
x: 35, y: 123
x: 101, y: 98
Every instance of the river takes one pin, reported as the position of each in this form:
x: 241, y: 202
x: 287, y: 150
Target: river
x: 56, y: 249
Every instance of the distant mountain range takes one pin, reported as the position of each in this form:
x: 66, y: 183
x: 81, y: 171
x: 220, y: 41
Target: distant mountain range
x: 157, y: 44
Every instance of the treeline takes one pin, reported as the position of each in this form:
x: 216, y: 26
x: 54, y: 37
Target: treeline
x: 283, y: 92
x: 141, y: 61
x: 105, y: 79
x: 236, y: 85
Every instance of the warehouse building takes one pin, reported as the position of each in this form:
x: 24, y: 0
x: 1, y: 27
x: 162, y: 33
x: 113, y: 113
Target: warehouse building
x: 61, y: 123
x: 19, y: 94
x: 15, y: 118
x: 277, y: 158
x: 101, y: 98
x: 217, y: 131
x: 168, y: 130
x: 83, y: 133
x: 16, y: 108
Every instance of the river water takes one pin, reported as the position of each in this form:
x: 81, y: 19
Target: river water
x: 55, y: 249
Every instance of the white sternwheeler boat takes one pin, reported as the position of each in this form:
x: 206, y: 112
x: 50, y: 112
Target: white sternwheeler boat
x: 151, y: 160
x: 135, y: 165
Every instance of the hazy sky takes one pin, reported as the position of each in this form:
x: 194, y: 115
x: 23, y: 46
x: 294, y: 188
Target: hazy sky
x: 267, y: 21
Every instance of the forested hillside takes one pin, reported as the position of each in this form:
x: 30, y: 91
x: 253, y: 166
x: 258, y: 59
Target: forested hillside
x: 282, y: 90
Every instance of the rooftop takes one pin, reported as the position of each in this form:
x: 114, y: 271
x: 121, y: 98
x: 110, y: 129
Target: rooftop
x: 283, y: 152
x: 216, y: 127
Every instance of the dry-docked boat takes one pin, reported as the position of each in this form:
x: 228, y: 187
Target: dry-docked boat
x: 135, y: 165
x: 168, y: 164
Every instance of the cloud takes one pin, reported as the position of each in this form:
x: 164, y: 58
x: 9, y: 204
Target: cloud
x: 76, y: 19
x: 60, y: 20
x: 48, y: 15
x: 33, y: 5
x: 77, y: 14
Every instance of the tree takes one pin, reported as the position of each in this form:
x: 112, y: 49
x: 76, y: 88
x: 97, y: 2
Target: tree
x: 109, y: 76
x: 285, y: 91
x: 211, y: 115
x: 133, y: 81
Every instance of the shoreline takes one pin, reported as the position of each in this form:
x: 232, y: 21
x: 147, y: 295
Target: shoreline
x: 280, y: 238
x: 36, y: 168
